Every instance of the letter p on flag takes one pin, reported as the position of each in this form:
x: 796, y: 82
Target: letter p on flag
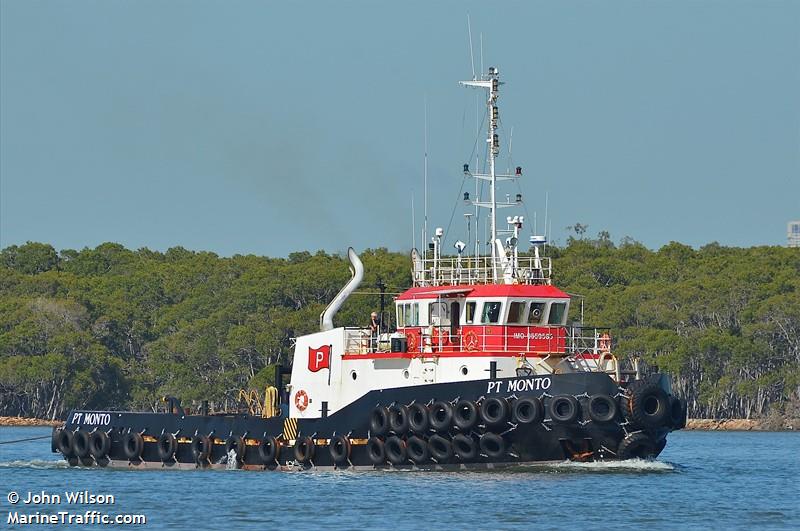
x: 319, y: 358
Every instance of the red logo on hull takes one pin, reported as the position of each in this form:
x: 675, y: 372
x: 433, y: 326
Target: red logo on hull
x: 319, y: 358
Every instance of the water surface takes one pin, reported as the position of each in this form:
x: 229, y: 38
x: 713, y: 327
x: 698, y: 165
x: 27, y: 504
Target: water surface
x: 731, y: 480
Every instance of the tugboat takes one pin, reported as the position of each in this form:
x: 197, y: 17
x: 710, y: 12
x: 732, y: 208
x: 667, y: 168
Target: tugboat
x: 481, y: 371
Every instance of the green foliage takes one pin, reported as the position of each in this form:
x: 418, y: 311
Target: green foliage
x: 111, y: 327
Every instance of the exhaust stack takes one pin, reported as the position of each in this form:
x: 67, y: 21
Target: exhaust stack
x: 357, y: 270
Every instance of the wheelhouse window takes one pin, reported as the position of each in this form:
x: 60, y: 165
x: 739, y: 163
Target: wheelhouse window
x: 491, y: 312
x: 470, y: 313
x: 438, y: 313
x: 557, y: 313
x: 516, y: 312
x: 407, y: 314
x: 536, y: 313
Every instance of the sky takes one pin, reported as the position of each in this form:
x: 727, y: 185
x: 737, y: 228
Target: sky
x: 271, y: 127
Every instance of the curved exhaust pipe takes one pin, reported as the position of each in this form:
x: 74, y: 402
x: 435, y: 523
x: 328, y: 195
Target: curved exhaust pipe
x: 357, y: 270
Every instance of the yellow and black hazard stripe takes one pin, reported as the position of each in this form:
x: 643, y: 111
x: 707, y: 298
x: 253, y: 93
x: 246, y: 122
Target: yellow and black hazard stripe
x: 290, y: 429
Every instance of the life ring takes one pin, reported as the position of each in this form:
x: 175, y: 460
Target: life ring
x: 411, y: 341
x: 471, y: 340
x: 301, y: 400
x: 605, y: 343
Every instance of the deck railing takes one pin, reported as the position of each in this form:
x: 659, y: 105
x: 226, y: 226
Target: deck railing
x: 449, y: 270
x: 578, y: 340
x: 586, y: 349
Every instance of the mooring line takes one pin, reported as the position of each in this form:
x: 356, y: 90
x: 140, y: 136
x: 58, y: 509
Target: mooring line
x: 28, y: 439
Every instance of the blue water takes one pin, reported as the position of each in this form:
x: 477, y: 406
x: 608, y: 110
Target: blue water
x: 730, y: 480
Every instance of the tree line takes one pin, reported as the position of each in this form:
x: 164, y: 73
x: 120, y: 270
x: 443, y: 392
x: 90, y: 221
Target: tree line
x: 114, y: 328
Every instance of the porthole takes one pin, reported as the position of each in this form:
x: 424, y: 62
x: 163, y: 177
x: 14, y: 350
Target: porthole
x: 353, y: 375
x: 464, y: 370
x: 405, y: 374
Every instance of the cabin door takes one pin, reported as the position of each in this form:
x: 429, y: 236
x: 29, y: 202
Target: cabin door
x: 455, y: 320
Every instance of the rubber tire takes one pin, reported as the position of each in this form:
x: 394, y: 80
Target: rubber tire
x: 494, y: 411
x: 339, y: 448
x: 238, y: 444
x: 440, y: 448
x: 398, y: 419
x: 304, y: 449
x: 268, y: 450
x: 80, y: 443
x: 418, y: 450
x: 376, y: 451
x: 441, y: 416
x: 641, y: 404
x: 418, y: 420
x: 396, y: 451
x: 201, y: 448
x: 64, y: 443
x: 465, y: 415
x: 527, y: 410
x: 379, y: 421
x: 637, y: 445
x: 557, y: 410
x: 677, y: 413
x: 465, y: 447
x: 54, y: 439
x: 166, y: 445
x: 132, y: 445
x: 492, y: 445
x: 602, y: 408
x: 99, y: 444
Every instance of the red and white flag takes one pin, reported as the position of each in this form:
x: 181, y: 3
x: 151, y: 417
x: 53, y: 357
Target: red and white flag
x: 319, y: 358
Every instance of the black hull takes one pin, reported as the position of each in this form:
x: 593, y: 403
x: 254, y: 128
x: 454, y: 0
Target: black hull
x: 542, y: 441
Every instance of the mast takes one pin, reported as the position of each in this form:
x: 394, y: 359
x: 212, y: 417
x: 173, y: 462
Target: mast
x: 492, y: 85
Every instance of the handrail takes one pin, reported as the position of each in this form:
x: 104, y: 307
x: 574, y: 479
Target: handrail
x: 448, y: 271
x: 575, y: 340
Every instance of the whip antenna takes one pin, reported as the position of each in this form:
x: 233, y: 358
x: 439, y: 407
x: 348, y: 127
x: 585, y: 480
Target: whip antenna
x: 471, y: 56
